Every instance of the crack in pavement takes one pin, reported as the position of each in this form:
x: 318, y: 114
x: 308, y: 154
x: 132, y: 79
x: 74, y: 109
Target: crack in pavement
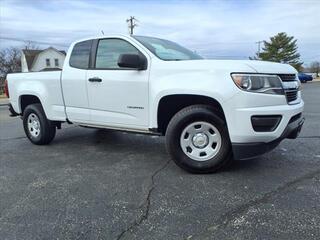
x: 15, y: 138
x: 309, y: 137
x: 146, y: 204
x: 226, y: 218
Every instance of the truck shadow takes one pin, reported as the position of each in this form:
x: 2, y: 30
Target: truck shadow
x: 111, y: 140
x: 244, y: 164
x: 136, y: 145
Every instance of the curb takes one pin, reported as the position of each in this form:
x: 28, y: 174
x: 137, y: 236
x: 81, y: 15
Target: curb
x: 4, y: 101
x: 314, y: 81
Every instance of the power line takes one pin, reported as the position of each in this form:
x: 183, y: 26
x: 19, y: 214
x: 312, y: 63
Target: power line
x: 132, y: 25
x: 31, y: 41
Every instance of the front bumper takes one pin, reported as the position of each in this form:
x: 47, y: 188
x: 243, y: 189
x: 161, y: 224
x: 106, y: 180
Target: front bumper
x: 240, y: 109
x: 243, y: 151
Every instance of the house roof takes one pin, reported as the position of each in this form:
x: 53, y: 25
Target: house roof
x: 31, y: 54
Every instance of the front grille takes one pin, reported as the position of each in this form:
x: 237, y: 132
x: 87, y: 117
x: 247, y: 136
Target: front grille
x: 287, y: 77
x: 291, y: 95
x: 290, y: 86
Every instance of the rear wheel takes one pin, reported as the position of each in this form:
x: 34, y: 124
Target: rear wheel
x: 197, y: 138
x: 37, y: 127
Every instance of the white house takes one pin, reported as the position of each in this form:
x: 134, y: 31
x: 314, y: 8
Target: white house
x: 42, y: 60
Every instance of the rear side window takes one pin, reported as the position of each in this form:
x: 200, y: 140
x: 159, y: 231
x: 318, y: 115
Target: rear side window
x: 80, y: 55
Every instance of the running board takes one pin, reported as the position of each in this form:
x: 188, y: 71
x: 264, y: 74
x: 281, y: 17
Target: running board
x: 134, y: 130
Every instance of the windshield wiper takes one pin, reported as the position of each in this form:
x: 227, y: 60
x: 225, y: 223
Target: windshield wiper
x: 175, y: 59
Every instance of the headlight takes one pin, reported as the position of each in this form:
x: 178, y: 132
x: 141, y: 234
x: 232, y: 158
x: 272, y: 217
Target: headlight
x: 258, y: 83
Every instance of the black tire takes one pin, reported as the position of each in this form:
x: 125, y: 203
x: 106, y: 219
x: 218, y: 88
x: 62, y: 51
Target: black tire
x: 47, y: 128
x: 184, y: 118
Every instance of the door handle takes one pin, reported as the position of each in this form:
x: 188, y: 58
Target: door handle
x: 95, y: 79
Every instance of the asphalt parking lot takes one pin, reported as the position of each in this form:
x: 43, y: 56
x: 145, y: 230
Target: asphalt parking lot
x: 95, y: 184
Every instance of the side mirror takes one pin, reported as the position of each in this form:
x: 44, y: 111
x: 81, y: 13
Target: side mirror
x: 132, y: 61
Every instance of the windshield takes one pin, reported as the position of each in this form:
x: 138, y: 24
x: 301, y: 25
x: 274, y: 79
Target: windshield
x: 167, y: 50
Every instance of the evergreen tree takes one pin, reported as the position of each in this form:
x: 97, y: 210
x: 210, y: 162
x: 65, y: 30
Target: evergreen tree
x: 281, y: 48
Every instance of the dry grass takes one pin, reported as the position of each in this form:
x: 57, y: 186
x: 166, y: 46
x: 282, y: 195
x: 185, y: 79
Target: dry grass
x: 3, y: 96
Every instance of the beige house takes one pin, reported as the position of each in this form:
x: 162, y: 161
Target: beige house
x: 42, y: 60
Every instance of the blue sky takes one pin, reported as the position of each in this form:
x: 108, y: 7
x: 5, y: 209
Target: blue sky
x: 215, y: 29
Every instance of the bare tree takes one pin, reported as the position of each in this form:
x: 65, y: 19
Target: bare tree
x: 10, y: 60
x: 315, y: 67
x: 29, y: 45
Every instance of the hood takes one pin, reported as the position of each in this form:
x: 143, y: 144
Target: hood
x: 248, y: 66
x: 270, y: 67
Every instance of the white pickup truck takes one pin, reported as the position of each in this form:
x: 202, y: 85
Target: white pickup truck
x: 211, y: 111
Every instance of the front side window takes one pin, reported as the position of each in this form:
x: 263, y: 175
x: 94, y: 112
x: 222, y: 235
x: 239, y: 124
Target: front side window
x: 80, y: 55
x: 56, y: 62
x: 109, y: 50
x: 167, y: 50
x: 47, y: 62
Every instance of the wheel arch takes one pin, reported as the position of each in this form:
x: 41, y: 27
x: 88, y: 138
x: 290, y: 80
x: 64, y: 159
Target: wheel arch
x: 169, y: 105
x: 27, y: 99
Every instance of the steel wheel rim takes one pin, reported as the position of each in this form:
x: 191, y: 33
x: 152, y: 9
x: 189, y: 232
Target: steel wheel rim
x: 33, y: 125
x: 200, y: 141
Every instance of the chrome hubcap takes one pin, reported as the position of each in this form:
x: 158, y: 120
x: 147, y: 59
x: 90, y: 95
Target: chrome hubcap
x: 200, y: 141
x: 33, y: 125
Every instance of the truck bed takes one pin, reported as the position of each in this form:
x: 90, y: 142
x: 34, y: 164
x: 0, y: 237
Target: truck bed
x: 45, y: 85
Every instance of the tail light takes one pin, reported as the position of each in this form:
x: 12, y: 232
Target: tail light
x: 6, y: 89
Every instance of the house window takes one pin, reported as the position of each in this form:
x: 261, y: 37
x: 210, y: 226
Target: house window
x: 56, y: 62
x: 48, y: 62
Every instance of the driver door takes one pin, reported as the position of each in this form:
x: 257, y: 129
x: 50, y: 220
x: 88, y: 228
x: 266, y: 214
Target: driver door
x: 117, y: 96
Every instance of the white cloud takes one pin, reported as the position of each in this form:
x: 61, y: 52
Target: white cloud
x: 213, y: 28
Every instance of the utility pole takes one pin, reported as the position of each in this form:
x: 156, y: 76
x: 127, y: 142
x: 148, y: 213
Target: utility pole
x: 259, y: 43
x: 132, y: 23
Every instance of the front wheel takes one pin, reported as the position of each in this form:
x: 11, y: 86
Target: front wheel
x: 37, y: 127
x: 197, y: 138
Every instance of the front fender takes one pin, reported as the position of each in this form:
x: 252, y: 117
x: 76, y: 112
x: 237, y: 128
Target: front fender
x: 217, y: 87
